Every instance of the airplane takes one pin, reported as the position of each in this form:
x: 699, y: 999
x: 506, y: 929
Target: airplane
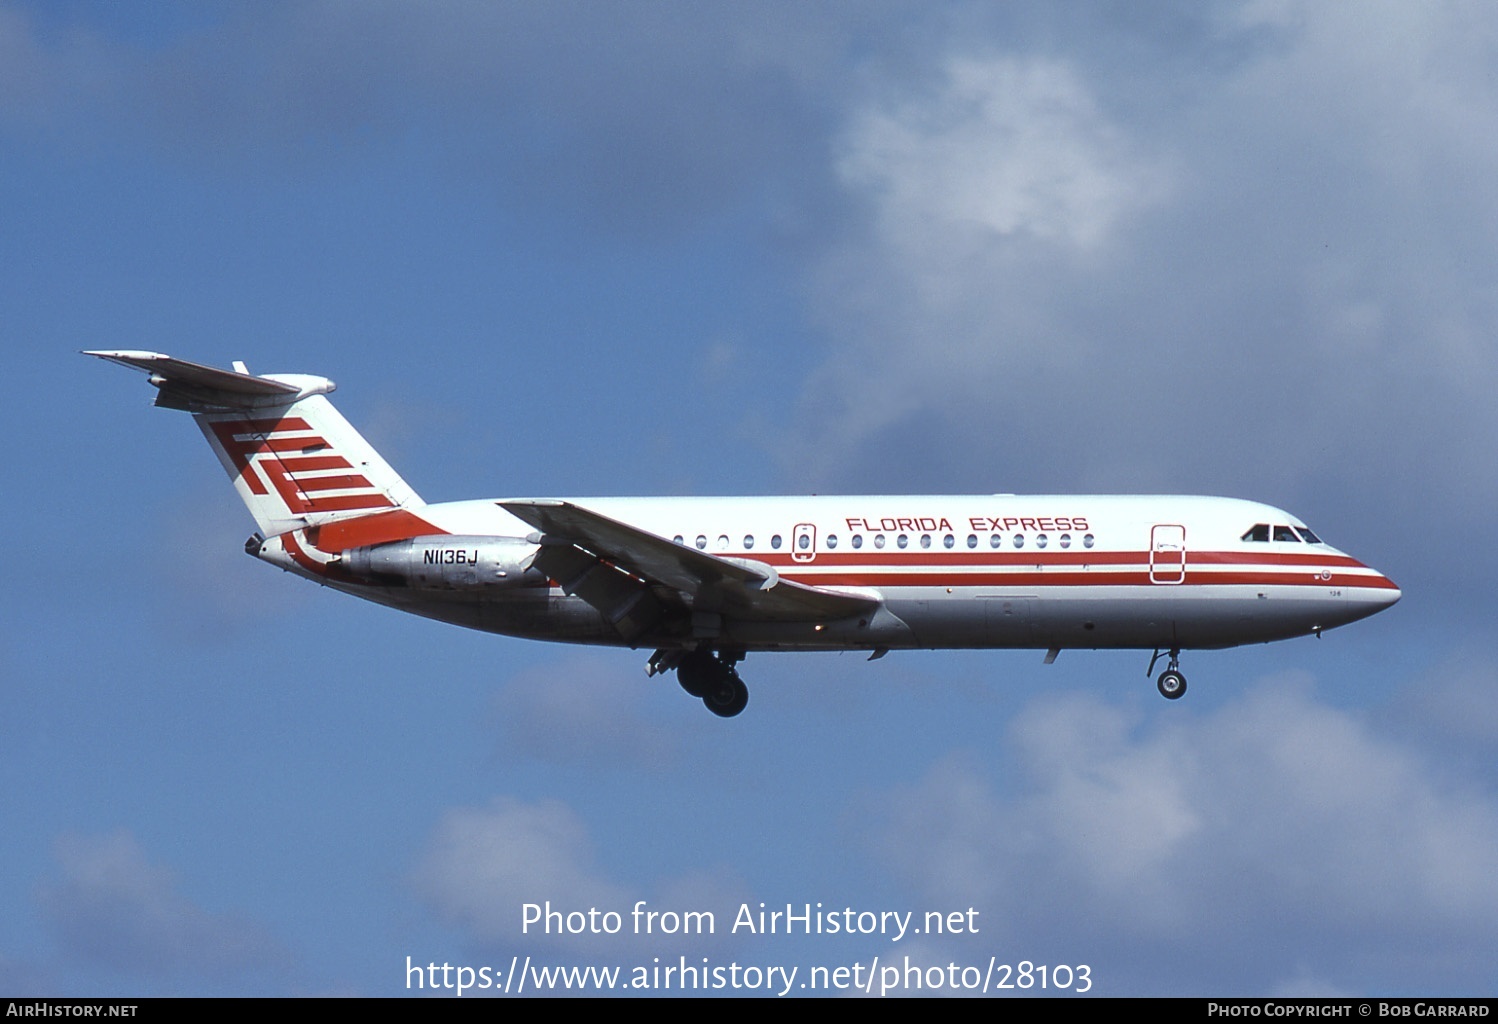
x: 706, y: 581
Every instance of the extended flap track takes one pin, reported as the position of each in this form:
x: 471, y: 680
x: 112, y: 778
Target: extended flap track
x: 626, y: 602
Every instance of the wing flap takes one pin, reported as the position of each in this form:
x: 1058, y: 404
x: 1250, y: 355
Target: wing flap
x: 626, y: 602
x: 740, y: 588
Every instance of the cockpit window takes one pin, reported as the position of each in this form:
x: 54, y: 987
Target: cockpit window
x: 1307, y: 536
x: 1285, y: 533
x: 1257, y: 532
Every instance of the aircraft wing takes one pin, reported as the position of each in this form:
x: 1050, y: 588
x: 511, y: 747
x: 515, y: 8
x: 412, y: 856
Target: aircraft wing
x: 740, y: 588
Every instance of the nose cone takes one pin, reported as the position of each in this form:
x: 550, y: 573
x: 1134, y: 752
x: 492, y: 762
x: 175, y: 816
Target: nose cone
x: 1389, y: 594
x: 1372, y: 594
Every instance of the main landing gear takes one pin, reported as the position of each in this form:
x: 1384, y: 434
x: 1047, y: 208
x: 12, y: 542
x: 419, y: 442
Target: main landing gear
x: 710, y: 677
x: 1172, y: 683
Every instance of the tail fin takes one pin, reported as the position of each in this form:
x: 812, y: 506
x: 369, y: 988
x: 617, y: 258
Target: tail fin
x: 294, y: 459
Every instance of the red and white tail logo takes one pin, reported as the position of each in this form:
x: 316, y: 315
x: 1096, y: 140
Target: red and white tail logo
x: 302, y: 465
x: 299, y: 463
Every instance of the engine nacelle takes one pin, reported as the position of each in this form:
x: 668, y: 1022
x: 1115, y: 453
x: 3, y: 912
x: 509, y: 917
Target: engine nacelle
x: 447, y: 563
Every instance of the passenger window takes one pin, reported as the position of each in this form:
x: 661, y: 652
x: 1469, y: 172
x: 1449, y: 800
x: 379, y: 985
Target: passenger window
x: 925, y: 540
x: 1066, y: 540
x: 972, y: 540
x: 775, y: 542
x: 803, y: 542
x: 723, y: 542
x: 857, y: 540
x: 994, y: 540
x: 1257, y: 532
x: 902, y: 540
x: 677, y: 539
x: 1040, y: 540
x: 1087, y: 540
x: 701, y: 542
x: 1019, y: 540
x: 748, y: 542
x: 948, y: 541
x: 878, y: 540
x: 832, y: 540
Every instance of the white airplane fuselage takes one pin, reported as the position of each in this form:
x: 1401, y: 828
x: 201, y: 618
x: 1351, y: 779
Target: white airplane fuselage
x: 1016, y: 571
x: 704, y: 581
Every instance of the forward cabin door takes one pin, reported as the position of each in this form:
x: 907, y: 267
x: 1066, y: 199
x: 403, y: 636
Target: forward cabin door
x: 1167, y: 554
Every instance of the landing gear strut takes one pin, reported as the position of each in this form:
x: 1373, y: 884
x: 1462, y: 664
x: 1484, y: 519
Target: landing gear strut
x: 712, y: 679
x: 1172, y: 683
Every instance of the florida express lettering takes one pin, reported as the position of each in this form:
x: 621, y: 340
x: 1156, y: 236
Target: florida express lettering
x: 891, y: 524
x: 1032, y: 524
x: 976, y: 524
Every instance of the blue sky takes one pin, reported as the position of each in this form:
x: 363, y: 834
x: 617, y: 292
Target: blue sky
x: 587, y: 248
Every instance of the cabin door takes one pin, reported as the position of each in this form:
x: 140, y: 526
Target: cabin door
x: 1167, y: 554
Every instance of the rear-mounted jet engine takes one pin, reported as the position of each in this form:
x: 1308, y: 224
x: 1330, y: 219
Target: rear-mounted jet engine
x: 447, y: 563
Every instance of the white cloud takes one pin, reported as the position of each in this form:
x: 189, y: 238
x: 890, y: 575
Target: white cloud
x: 483, y: 865
x: 1288, y: 838
x: 1270, y: 278
x: 1004, y: 146
x: 986, y: 193
x: 1455, y: 703
x: 114, y: 907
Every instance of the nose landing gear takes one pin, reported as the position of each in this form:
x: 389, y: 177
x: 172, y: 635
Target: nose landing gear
x: 1172, y: 683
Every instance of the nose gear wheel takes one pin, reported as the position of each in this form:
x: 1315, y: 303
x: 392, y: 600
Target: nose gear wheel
x: 1172, y: 682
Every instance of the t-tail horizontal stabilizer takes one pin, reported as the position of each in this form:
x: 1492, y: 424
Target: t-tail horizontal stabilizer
x: 193, y: 387
x: 294, y: 459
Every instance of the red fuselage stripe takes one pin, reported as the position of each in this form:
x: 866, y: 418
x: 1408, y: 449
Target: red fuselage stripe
x: 1063, y: 578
